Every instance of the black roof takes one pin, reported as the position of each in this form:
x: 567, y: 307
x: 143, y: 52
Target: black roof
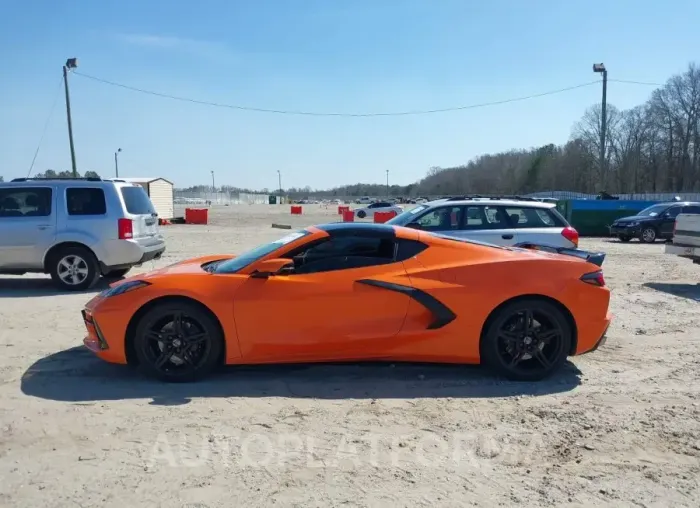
x: 361, y: 228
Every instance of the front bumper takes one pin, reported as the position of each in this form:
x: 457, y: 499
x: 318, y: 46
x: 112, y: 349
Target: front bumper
x: 622, y: 230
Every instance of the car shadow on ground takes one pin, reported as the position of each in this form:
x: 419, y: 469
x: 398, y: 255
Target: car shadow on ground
x: 37, y: 286
x: 76, y: 375
x: 690, y: 291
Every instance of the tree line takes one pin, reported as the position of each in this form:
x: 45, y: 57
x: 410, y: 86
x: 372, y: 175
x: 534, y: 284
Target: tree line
x: 654, y: 147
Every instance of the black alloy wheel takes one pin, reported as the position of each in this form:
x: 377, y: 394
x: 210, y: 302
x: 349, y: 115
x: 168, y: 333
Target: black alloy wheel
x: 527, y: 341
x: 178, y: 342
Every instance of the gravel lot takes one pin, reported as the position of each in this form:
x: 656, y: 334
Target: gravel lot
x: 619, y: 427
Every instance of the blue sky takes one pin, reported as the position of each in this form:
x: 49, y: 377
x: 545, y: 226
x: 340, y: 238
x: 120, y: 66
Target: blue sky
x: 318, y: 55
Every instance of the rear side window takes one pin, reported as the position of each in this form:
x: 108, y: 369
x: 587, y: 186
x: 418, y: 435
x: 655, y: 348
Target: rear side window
x: 485, y: 217
x: 85, y: 201
x: 25, y: 202
x: 524, y: 217
x: 691, y: 209
x: 137, y: 201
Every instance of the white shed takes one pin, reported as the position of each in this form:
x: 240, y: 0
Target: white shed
x: 160, y: 191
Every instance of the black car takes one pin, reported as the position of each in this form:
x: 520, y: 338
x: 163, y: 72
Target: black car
x: 651, y: 223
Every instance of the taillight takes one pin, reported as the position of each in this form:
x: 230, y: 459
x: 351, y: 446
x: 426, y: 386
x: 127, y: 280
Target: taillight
x: 570, y: 234
x: 594, y: 278
x: 126, y: 229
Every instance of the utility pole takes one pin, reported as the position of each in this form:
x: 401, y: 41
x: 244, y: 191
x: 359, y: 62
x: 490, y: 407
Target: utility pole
x: 71, y: 63
x: 387, y: 183
x: 600, y: 68
x: 116, y: 162
x: 279, y: 180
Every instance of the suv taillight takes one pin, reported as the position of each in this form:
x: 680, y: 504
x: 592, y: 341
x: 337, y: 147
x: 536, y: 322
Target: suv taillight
x: 126, y: 229
x: 594, y: 278
x: 570, y: 234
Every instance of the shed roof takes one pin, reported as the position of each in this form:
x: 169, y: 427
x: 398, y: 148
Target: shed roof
x: 143, y: 179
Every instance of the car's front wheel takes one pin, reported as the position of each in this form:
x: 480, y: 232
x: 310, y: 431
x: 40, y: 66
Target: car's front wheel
x: 527, y: 340
x: 178, y: 342
x: 362, y: 214
x: 648, y: 235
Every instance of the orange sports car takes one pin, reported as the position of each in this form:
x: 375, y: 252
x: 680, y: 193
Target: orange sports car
x: 357, y: 292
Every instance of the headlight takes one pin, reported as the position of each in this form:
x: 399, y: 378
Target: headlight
x: 124, y: 287
x: 632, y: 224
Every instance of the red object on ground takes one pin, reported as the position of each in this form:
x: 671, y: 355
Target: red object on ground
x: 343, y: 209
x: 382, y: 217
x: 196, y: 215
x: 348, y: 215
x: 296, y: 210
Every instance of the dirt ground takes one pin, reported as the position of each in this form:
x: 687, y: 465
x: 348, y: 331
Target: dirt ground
x: 619, y: 427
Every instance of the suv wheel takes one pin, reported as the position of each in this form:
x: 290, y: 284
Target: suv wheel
x: 362, y: 214
x: 648, y: 235
x: 74, y: 269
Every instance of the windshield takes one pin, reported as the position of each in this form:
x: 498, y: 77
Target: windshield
x: 239, y: 262
x: 653, y: 211
x: 406, y: 217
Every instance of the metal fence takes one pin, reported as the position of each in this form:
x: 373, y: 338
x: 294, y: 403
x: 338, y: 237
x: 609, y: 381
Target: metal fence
x: 219, y: 198
x: 641, y: 196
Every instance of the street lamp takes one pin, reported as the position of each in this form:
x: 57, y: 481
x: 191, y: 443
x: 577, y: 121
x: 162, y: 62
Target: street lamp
x: 600, y: 69
x: 71, y: 63
x: 116, y: 162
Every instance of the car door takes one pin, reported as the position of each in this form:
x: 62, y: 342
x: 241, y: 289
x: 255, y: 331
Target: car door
x: 323, y: 311
x: 537, y: 225
x: 27, y: 226
x: 488, y: 224
x: 668, y: 220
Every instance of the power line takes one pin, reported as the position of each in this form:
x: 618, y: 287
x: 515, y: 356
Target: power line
x: 46, y: 125
x: 311, y: 113
x: 646, y: 83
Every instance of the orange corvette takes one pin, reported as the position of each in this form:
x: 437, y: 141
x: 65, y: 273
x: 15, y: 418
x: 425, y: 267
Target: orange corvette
x: 356, y: 292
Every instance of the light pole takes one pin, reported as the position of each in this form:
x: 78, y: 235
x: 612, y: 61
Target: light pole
x: 71, y: 63
x: 279, y: 181
x: 387, y: 183
x: 600, y: 68
x: 116, y: 162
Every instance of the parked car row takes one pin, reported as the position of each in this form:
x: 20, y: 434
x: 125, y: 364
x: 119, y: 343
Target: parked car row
x: 652, y: 223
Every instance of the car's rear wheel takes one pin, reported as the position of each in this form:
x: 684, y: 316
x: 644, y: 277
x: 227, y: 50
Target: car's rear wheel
x: 178, y: 342
x: 648, y: 235
x: 73, y: 268
x: 117, y: 274
x: 527, y: 340
x: 362, y: 214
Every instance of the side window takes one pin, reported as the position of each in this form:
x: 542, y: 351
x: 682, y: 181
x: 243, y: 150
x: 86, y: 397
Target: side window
x: 524, y: 217
x: 446, y: 218
x: 85, y: 201
x: 691, y: 209
x: 345, y: 252
x: 25, y: 202
x: 485, y: 217
x: 673, y: 212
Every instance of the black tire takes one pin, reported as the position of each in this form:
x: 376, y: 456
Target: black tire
x: 117, y: 274
x: 648, y: 235
x: 527, y: 356
x: 362, y: 214
x: 624, y: 238
x: 74, y: 268
x: 185, y: 355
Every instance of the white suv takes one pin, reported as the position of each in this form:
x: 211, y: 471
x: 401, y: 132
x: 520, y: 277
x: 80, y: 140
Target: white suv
x: 499, y: 221
x: 76, y: 229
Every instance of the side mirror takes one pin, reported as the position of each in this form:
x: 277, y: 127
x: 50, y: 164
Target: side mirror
x: 269, y: 268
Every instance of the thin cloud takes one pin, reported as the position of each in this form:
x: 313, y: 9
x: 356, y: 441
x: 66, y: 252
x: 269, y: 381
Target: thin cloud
x: 193, y: 47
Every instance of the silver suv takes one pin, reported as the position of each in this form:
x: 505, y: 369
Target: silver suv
x: 76, y: 229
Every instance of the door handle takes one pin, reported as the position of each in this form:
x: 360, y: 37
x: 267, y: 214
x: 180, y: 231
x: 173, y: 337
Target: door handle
x: 507, y: 237
x: 43, y: 226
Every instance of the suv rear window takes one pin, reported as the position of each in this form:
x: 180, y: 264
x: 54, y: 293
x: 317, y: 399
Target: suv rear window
x: 524, y: 217
x: 85, y: 201
x: 137, y: 201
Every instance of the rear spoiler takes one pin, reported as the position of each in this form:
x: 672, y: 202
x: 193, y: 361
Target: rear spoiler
x: 596, y: 258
